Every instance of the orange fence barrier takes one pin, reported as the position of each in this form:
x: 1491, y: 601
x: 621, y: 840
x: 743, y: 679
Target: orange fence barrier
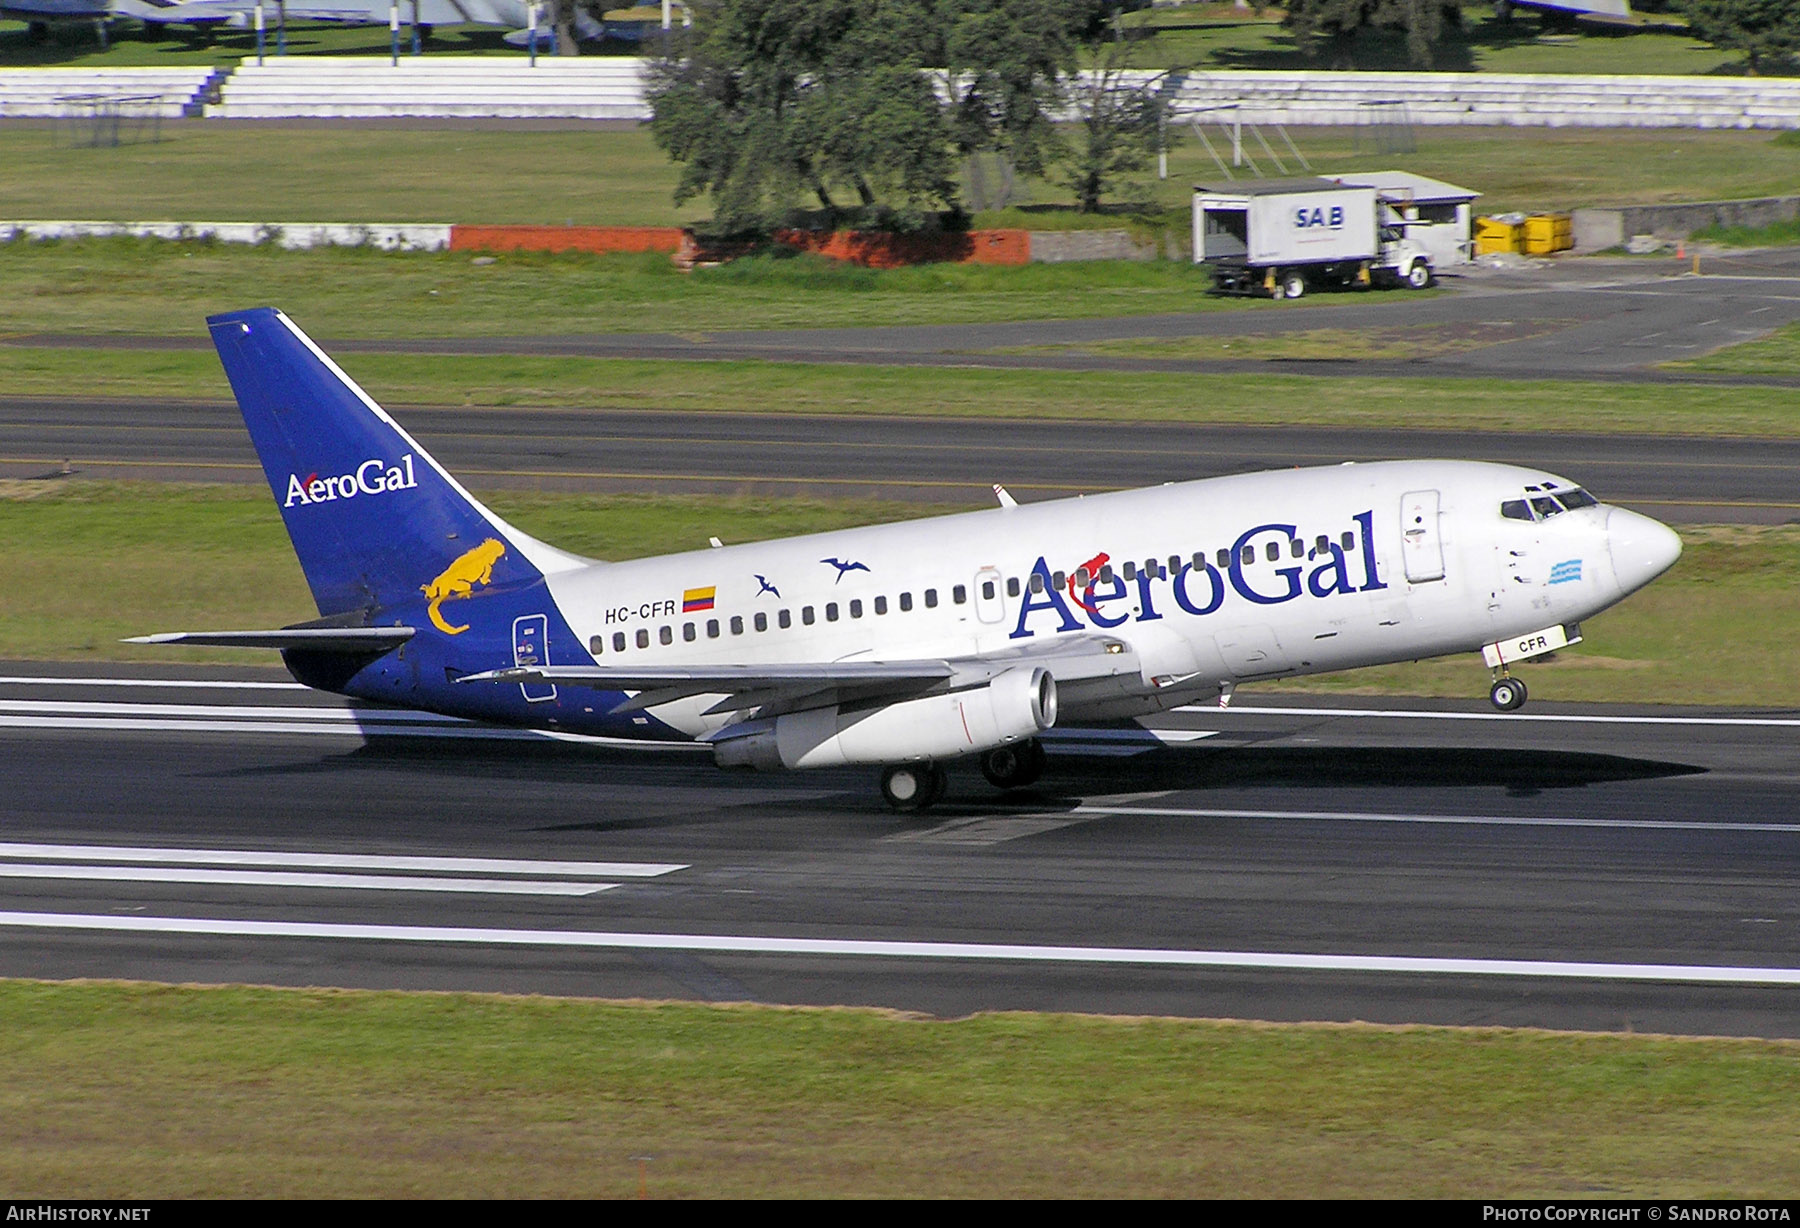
x: 566, y: 238
x: 874, y: 249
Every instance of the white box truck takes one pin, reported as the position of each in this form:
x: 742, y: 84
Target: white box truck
x: 1282, y: 237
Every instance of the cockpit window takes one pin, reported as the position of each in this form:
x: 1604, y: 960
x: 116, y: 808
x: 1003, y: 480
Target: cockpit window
x: 1541, y: 503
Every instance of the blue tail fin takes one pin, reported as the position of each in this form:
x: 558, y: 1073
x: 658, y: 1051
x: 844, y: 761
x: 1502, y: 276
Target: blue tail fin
x: 373, y: 518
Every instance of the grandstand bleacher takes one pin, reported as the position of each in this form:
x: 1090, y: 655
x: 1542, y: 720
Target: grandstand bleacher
x: 447, y: 87
x: 71, y: 93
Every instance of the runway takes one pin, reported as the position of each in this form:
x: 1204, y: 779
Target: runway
x: 954, y: 461
x: 1409, y: 861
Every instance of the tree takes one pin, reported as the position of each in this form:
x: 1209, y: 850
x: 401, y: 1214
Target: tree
x: 1764, y: 30
x: 775, y: 100
x: 1327, y: 28
x: 1118, y: 123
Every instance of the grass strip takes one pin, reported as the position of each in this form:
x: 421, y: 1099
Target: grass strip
x: 1776, y: 354
x: 147, y: 286
x: 90, y: 563
x: 137, y: 1091
x: 826, y: 388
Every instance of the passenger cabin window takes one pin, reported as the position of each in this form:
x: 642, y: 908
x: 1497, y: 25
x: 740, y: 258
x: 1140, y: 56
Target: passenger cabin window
x: 987, y: 590
x: 687, y: 632
x: 712, y: 628
x: 618, y: 641
x: 1273, y: 551
x: 1249, y: 555
x: 784, y: 619
x: 905, y: 602
x: 931, y: 599
x: 1059, y: 580
x: 1349, y: 540
x: 856, y: 607
x: 1012, y: 586
x: 643, y: 637
x: 806, y: 615
x: 665, y: 635
x: 1296, y: 548
x: 831, y: 611
x: 959, y: 594
x: 597, y: 645
x: 737, y: 624
x: 762, y: 622
x: 881, y: 605
x: 1224, y: 558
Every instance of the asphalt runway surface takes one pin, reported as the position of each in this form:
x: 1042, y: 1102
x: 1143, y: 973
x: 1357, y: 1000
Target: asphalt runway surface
x: 954, y: 461
x: 1412, y: 861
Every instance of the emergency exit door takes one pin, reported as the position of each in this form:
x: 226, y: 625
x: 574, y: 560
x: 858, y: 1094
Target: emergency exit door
x: 1421, y: 542
x: 531, y: 647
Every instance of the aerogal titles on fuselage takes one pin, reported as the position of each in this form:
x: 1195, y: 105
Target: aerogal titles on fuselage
x: 1202, y: 591
x: 373, y: 477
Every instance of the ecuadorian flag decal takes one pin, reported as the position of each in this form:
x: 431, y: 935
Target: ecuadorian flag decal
x: 1565, y: 571
x: 693, y: 600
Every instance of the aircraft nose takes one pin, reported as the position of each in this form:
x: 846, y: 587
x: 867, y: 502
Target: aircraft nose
x: 1641, y: 548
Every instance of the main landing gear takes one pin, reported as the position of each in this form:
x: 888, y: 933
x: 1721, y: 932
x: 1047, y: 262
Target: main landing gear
x: 1507, y: 694
x: 914, y: 786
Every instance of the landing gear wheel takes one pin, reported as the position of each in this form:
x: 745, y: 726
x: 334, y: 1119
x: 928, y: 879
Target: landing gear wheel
x: 1293, y: 285
x: 1507, y: 694
x: 1419, y: 275
x: 1015, y: 766
x: 913, y: 786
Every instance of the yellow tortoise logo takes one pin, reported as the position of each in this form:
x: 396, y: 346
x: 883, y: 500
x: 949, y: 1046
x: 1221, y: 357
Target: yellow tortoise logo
x: 460, y: 579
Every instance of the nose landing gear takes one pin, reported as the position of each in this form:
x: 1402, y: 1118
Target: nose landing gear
x: 1507, y: 694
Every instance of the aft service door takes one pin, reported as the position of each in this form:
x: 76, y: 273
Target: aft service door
x: 1421, y: 544
x: 531, y: 646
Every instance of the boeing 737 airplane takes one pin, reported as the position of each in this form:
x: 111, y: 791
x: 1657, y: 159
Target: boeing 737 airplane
x: 902, y: 646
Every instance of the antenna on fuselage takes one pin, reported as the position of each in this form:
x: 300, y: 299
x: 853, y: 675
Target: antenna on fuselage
x: 1006, y: 499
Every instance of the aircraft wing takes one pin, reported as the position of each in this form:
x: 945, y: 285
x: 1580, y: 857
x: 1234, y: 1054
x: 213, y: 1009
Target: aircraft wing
x: 787, y: 687
x: 320, y: 639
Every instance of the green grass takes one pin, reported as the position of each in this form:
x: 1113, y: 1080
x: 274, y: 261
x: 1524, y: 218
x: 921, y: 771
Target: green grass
x: 823, y: 388
x: 1776, y: 354
x: 139, y: 1092
x: 90, y: 563
x: 457, y: 172
x: 1219, y: 36
x: 145, y: 286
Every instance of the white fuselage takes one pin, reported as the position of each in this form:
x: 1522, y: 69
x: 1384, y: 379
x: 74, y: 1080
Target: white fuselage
x: 1211, y: 583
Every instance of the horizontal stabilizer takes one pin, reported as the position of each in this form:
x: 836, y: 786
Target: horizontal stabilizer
x: 318, y: 639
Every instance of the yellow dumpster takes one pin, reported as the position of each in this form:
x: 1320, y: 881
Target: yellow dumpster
x: 1549, y: 232
x: 1498, y: 234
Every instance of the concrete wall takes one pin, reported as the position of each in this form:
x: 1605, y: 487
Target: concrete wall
x: 1598, y: 229
x: 1057, y: 246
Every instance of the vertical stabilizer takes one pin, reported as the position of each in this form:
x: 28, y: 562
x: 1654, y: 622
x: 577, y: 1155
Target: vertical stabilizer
x: 375, y: 520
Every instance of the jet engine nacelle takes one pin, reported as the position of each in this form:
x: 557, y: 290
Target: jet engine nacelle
x: 1016, y: 705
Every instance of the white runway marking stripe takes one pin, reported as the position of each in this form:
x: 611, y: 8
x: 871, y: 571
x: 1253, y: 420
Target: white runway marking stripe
x: 1466, y: 820
x: 290, y: 878
x: 1550, y: 717
x: 1266, y: 961
x: 338, y: 861
x: 286, y: 712
x: 172, y: 683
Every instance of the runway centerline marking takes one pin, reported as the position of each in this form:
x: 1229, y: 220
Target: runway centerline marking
x: 1276, y: 961
x: 291, y: 878
x: 1553, y: 717
x: 1454, y: 820
x: 337, y: 861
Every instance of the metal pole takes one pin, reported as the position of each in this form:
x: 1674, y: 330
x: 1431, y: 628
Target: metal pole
x: 280, y: 27
x: 394, y: 33
x: 1237, y: 141
x: 259, y: 33
x: 531, y: 31
x: 415, y: 28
